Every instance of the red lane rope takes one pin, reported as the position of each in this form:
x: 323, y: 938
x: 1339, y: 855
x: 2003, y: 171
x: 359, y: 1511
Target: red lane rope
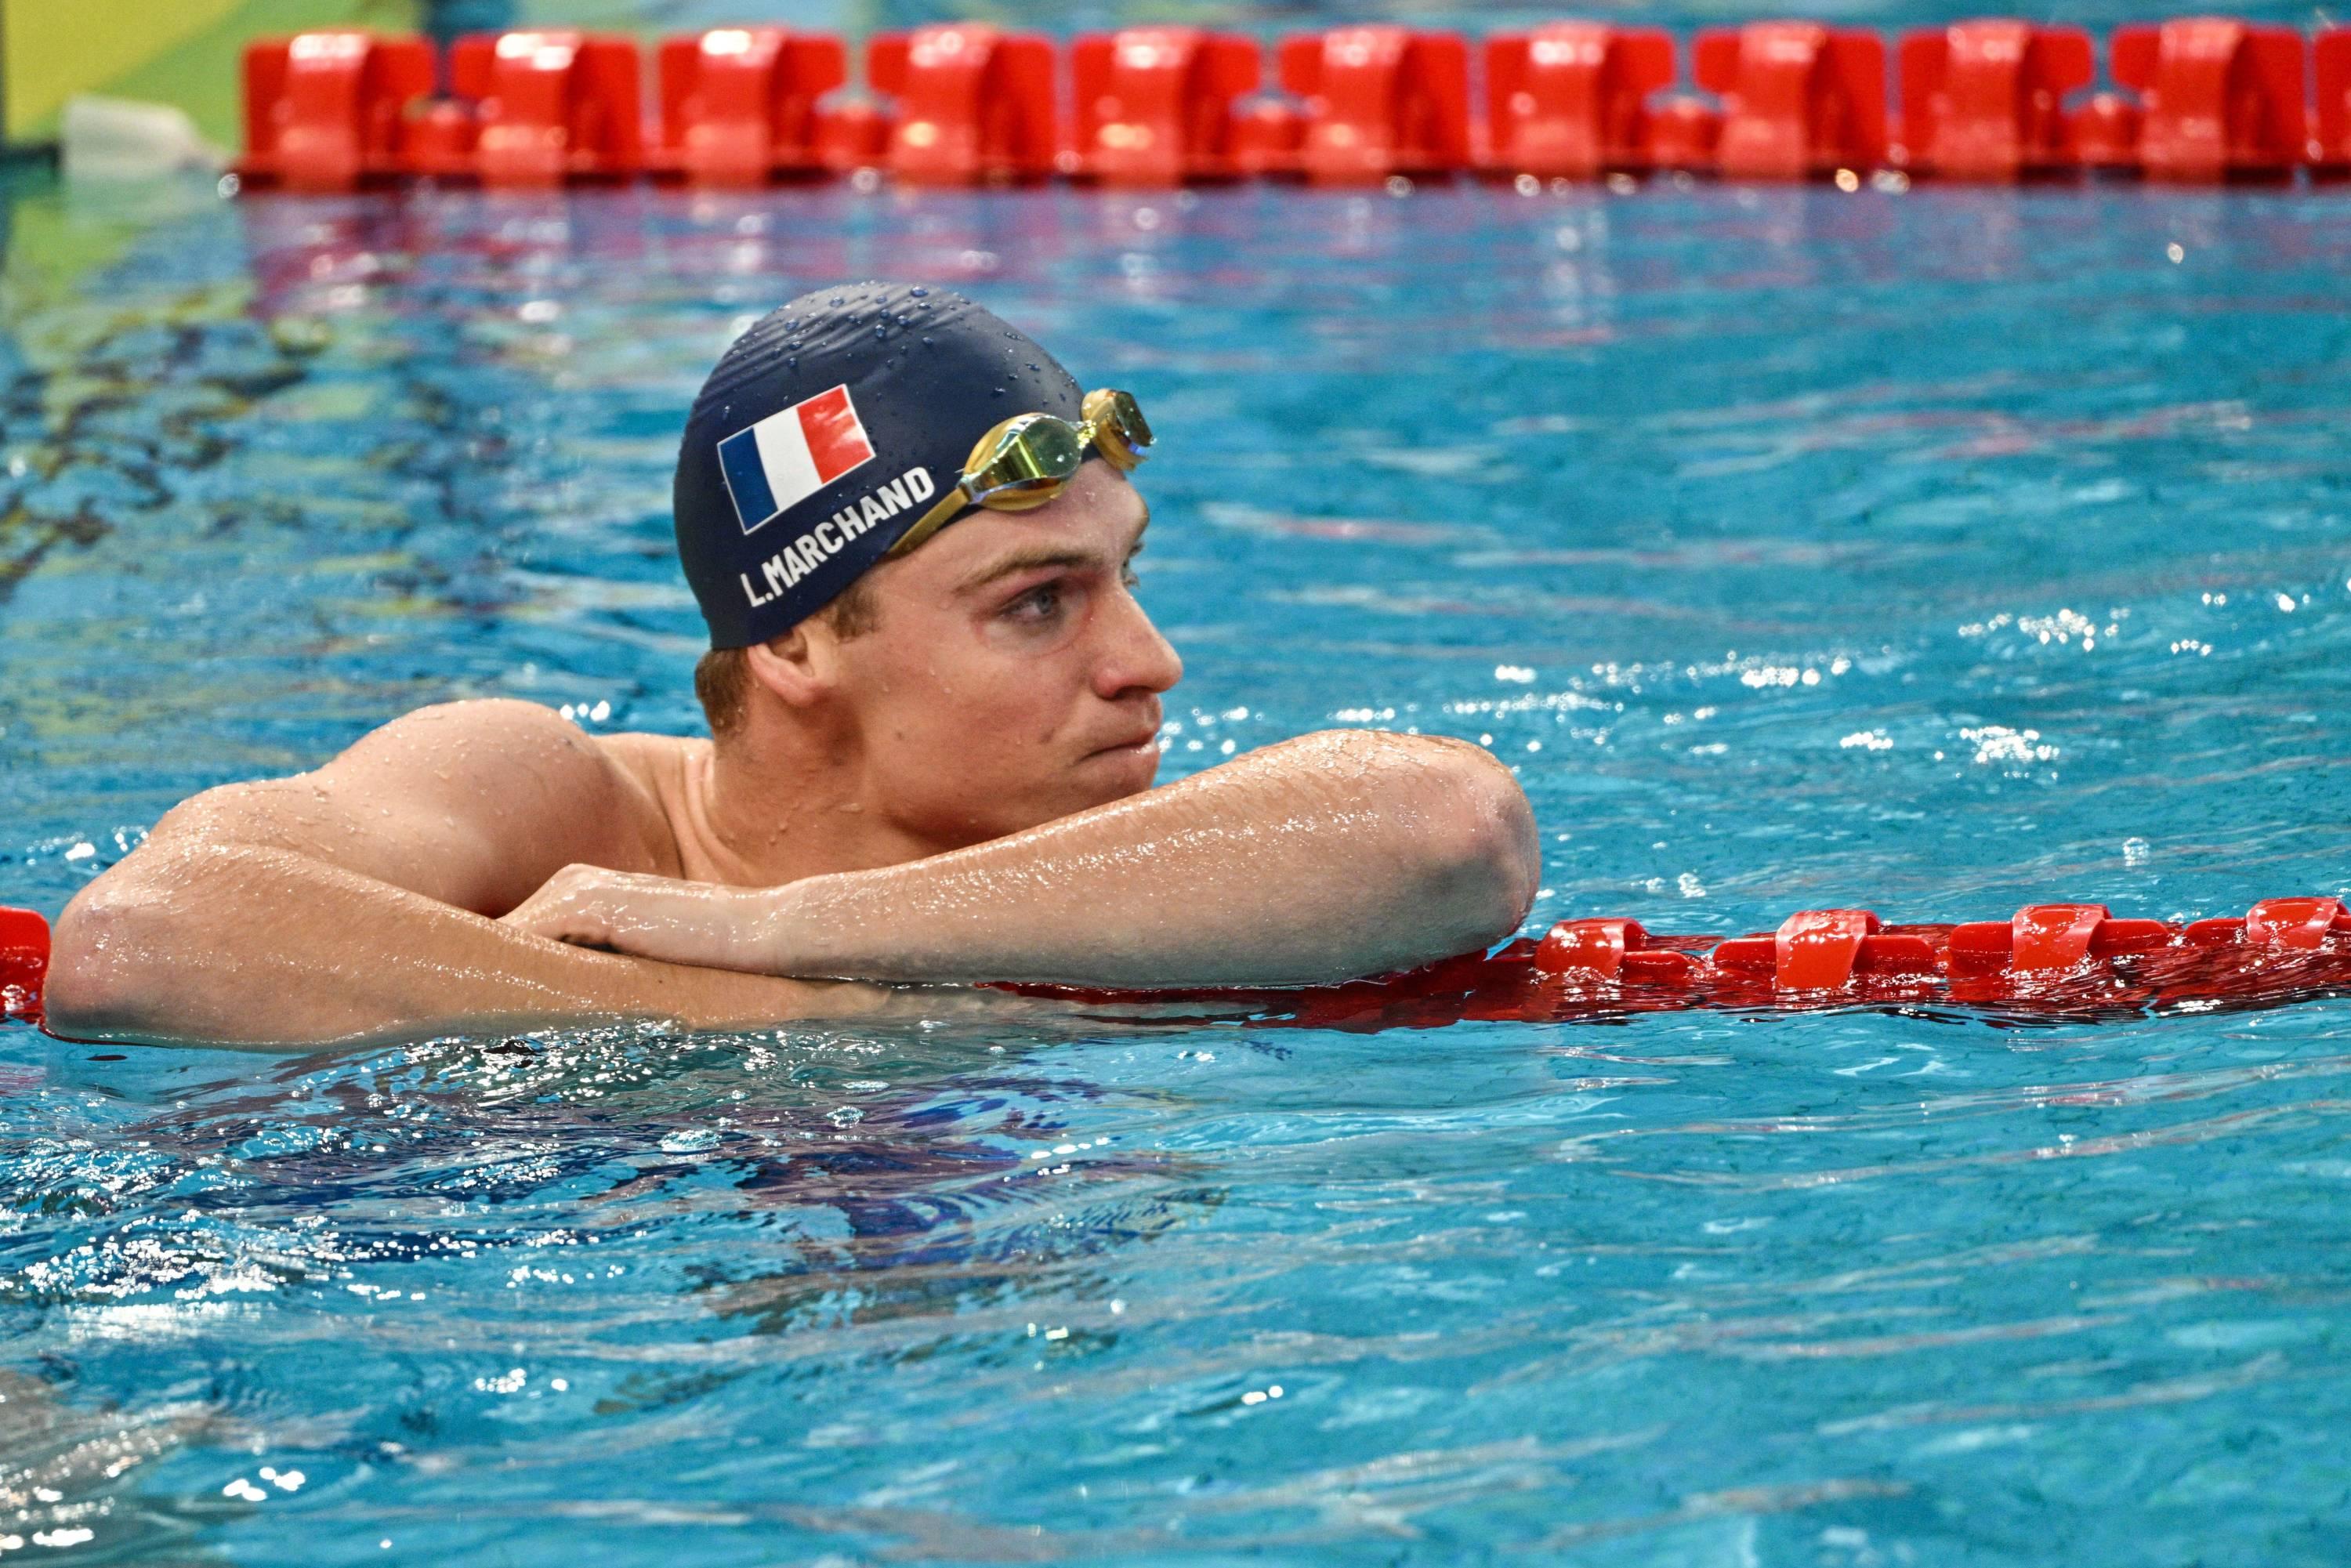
x: 2050, y: 963
x: 2197, y: 99
x: 24, y: 962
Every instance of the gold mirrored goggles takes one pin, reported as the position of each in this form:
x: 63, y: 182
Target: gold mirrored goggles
x: 1031, y: 458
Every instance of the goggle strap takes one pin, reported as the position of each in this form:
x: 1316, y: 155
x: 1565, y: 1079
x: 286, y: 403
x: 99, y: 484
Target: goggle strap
x: 941, y: 513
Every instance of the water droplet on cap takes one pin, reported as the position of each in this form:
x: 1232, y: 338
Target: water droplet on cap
x: 918, y: 293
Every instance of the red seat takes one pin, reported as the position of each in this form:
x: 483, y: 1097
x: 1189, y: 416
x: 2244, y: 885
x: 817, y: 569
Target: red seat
x: 849, y: 134
x: 1985, y: 99
x: 1798, y: 98
x: 1380, y: 101
x: 739, y: 104
x: 2330, y: 127
x: 1268, y: 136
x: 1572, y: 100
x: 1684, y: 131
x: 2220, y: 98
x: 550, y: 106
x: 325, y: 111
x: 1156, y: 105
x: 974, y: 103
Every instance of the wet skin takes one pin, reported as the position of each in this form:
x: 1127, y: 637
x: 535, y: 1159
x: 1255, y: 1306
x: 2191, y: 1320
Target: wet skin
x: 961, y: 792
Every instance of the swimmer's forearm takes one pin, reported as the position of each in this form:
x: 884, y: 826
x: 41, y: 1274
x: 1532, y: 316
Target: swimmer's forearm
x: 239, y: 945
x: 1321, y: 859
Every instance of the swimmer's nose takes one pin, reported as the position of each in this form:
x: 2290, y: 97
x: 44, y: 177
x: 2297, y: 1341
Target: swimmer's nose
x: 1133, y: 656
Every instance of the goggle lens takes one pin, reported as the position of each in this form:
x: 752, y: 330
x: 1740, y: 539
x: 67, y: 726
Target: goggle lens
x: 1031, y: 458
x: 1120, y: 432
x: 1034, y: 454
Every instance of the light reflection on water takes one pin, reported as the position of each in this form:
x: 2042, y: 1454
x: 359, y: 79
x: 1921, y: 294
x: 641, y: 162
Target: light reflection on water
x: 1928, y: 552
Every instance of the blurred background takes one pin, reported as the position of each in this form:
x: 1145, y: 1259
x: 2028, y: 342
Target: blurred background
x: 1940, y: 548
x: 184, y: 52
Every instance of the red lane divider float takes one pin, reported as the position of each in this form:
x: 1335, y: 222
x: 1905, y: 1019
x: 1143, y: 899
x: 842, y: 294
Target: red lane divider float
x: 2194, y: 99
x: 24, y: 962
x: 2051, y: 963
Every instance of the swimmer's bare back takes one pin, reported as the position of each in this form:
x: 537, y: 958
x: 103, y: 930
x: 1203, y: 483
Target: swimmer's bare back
x: 361, y: 900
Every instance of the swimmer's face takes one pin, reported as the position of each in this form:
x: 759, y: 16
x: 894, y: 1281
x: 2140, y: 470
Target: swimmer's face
x: 1010, y: 677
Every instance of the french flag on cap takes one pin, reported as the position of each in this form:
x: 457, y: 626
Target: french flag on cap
x: 792, y: 454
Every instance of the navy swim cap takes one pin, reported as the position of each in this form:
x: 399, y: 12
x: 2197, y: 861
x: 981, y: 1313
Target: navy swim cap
x: 826, y: 431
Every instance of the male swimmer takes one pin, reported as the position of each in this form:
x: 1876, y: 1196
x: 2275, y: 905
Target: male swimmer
x: 934, y: 706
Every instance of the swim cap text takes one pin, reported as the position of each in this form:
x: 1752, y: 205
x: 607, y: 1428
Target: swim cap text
x: 796, y: 560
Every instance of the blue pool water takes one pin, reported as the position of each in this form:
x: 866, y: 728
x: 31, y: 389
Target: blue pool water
x: 1937, y: 551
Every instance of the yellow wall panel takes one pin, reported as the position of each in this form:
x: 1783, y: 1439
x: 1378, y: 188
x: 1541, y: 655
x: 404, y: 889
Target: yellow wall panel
x: 183, y: 52
x: 58, y: 48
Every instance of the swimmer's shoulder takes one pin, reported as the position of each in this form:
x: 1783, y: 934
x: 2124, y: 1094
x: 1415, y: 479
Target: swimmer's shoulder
x: 635, y: 782
x: 609, y: 789
x: 484, y: 739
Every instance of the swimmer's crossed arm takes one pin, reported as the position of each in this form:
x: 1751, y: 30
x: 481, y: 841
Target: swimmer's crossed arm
x: 360, y: 900
x: 1331, y: 856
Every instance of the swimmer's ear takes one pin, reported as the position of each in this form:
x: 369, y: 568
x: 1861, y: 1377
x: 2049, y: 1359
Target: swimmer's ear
x: 802, y: 666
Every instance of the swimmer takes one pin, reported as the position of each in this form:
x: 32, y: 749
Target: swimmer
x: 934, y: 702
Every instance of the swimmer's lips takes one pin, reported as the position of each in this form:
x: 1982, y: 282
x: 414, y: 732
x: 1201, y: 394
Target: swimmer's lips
x: 1134, y: 745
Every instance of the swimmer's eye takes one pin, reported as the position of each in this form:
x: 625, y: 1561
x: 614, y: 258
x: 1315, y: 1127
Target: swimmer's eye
x: 1126, y: 575
x: 1041, y: 603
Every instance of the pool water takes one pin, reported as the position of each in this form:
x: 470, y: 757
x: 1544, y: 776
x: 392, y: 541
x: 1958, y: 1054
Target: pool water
x: 1935, y: 552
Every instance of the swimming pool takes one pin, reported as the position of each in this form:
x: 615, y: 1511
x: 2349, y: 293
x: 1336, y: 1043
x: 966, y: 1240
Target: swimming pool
x: 1939, y: 551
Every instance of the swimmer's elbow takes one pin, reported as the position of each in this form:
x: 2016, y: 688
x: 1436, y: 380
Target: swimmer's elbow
x: 1480, y: 842
x: 1460, y: 830
x: 99, y: 986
